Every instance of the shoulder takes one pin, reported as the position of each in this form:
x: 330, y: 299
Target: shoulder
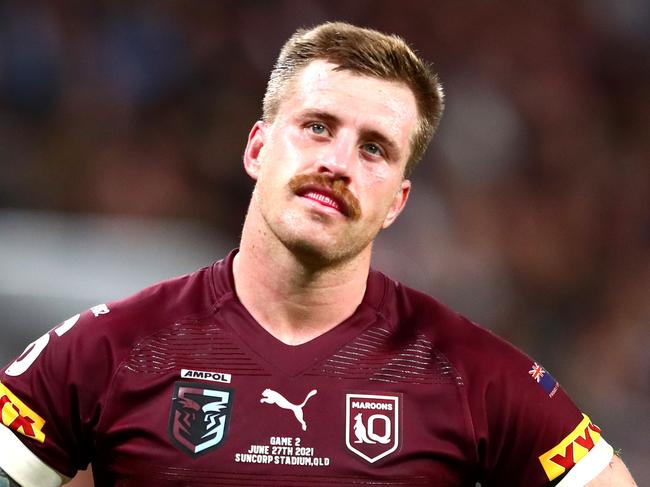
x: 523, y: 423
x: 117, y: 327
x: 481, y: 359
x: 452, y: 333
x: 164, y: 302
x: 97, y: 339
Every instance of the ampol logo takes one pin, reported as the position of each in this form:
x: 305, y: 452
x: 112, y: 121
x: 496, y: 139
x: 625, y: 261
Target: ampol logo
x: 372, y: 425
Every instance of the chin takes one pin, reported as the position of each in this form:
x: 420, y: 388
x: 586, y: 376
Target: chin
x: 314, y: 253
x: 319, y: 253
x: 319, y: 246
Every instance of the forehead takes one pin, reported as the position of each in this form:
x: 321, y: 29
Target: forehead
x: 374, y: 103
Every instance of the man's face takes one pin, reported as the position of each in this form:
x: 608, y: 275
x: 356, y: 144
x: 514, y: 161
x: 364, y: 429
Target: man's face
x: 329, y: 168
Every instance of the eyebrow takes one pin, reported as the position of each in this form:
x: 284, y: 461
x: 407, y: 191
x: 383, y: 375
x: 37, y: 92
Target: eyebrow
x: 367, y: 134
x: 326, y: 117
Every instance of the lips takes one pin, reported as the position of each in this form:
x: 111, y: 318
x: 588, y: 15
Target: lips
x: 332, y: 193
x: 325, y: 197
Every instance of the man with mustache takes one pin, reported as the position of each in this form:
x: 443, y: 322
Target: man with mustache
x: 347, y: 114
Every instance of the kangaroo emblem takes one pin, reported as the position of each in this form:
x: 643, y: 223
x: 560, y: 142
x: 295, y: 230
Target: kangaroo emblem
x: 360, y: 431
x: 363, y: 436
x: 269, y: 396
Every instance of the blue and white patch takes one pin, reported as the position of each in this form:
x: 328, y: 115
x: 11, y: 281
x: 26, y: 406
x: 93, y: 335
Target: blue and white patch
x: 544, y: 379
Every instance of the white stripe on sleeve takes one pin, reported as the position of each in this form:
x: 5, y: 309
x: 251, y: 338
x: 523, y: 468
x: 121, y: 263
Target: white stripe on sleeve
x: 589, y: 466
x: 23, y: 466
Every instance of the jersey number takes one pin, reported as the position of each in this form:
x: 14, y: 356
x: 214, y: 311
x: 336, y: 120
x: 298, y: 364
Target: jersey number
x: 34, y: 349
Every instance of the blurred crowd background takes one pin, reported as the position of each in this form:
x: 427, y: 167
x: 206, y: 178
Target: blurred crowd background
x: 122, y: 125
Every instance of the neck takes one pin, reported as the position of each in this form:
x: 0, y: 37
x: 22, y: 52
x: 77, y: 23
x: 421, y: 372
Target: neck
x: 293, y: 298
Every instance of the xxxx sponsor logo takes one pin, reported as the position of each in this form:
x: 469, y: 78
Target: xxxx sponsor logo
x: 562, y: 457
x: 18, y: 417
x: 372, y: 425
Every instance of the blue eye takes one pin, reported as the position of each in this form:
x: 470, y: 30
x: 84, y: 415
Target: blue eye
x: 372, y: 149
x: 317, y: 128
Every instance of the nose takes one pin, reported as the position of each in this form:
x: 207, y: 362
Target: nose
x: 338, y: 158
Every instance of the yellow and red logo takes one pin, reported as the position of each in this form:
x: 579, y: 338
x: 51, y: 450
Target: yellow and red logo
x: 571, y: 449
x: 17, y: 416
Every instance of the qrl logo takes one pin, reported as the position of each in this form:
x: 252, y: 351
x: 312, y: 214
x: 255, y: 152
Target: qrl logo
x: 199, y: 417
x: 372, y: 425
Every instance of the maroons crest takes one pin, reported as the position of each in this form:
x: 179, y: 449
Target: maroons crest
x: 372, y: 425
x: 199, y: 417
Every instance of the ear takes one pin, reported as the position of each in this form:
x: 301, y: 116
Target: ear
x: 398, y: 203
x: 256, y: 140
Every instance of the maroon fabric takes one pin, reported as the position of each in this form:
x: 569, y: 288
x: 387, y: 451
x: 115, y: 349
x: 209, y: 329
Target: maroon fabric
x: 406, y: 393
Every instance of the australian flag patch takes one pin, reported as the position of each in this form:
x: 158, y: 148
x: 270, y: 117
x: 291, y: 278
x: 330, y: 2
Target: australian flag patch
x: 544, y: 379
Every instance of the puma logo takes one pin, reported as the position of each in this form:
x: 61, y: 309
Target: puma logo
x: 269, y: 396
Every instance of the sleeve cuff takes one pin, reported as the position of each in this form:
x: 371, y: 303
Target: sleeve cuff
x: 23, y: 466
x: 590, y: 466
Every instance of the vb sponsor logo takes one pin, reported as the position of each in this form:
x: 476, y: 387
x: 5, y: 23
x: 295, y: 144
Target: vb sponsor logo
x: 18, y: 417
x: 562, y: 457
x: 199, y: 417
x: 372, y: 425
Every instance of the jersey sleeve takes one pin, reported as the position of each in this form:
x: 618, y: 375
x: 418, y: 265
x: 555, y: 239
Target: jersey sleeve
x: 53, y: 394
x: 527, y: 429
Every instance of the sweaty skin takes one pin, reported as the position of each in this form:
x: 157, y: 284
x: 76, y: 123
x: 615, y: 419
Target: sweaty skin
x: 615, y: 475
x: 355, y: 130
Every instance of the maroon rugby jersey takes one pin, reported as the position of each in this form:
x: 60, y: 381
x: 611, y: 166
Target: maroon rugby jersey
x: 178, y: 385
